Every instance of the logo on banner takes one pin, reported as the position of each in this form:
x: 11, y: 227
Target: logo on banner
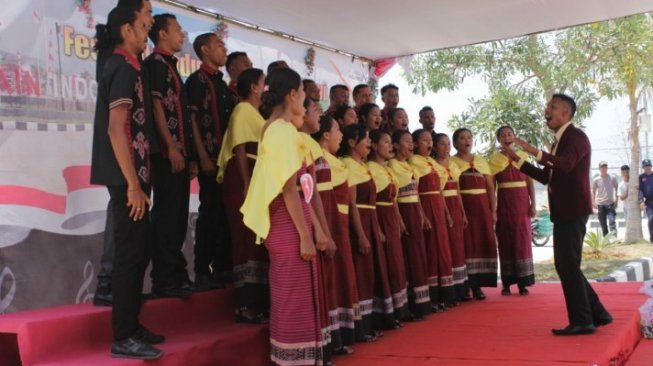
x: 84, y: 294
x: 6, y: 300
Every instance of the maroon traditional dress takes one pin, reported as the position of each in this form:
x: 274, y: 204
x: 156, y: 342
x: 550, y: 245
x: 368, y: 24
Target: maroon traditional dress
x: 295, y: 311
x: 314, y: 159
x: 386, y: 199
x: 480, y: 242
x: 438, y: 249
x: 371, y: 268
x: 513, y: 222
x: 250, y: 261
x: 413, y: 243
x: 345, y: 274
x: 329, y: 265
x: 450, y: 177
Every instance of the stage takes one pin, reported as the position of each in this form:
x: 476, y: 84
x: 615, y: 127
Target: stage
x: 502, y: 330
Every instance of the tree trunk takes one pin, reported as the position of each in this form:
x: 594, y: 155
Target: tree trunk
x: 634, y: 222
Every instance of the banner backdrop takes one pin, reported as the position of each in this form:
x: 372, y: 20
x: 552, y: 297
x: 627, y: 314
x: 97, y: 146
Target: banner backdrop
x: 51, y: 218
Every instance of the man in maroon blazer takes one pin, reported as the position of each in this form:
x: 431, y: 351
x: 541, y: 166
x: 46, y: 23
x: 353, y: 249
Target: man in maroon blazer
x: 566, y: 171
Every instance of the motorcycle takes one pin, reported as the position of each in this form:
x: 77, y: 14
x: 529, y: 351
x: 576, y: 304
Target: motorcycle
x: 541, y: 228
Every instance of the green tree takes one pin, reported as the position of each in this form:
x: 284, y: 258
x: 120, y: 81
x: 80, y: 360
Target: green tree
x: 611, y: 59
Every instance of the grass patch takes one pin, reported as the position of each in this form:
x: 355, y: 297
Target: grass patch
x: 600, y: 264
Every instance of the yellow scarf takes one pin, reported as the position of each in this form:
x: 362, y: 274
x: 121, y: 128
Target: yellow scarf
x: 281, y: 153
x: 445, y: 173
x: 314, y: 151
x: 499, y: 162
x: 479, y: 163
x: 245, y: 126
x: 358, y: 172
x: 381, y: 175
x: 402, y: 172
x: 423, y: 165
x: 339, y: 171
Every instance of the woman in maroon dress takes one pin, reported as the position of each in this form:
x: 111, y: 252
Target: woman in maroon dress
x: 413, y: 217
x: 438, y: 249
x: 276, y: 209
x: 369, y: 259
x: 236, y: 160
x: 332, y: 184
x: 515, y: 208
x: 449, y: 175
x: 392, y: 226
x: 477, y: 191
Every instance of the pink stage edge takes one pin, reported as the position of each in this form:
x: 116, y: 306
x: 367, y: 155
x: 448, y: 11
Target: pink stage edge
x: 502, y: 330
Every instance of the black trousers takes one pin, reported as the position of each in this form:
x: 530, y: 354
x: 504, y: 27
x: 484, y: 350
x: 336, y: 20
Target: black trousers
x: 607, y: 215
x: 169, y: 223
x: 129, y: 262
x: 106, y: 261
x: 212, y: 242
x: 583, y: 305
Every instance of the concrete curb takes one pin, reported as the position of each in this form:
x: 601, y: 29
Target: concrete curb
x: 635, y: 271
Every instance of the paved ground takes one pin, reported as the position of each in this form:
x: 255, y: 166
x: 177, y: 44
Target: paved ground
x: 546, y: 252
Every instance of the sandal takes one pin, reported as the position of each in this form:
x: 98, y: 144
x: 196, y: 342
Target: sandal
x: 506, y: 291
x: 343, y: 351
x: 249, y: 316
x: 478, y: 293
x: 523, y: 291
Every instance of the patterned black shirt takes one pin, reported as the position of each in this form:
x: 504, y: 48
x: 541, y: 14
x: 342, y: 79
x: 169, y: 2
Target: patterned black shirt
x: 121, y: 83
x: 213, y: 101
x: 166, y: 85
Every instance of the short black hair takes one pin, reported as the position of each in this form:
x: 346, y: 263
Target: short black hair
x: 567, y: 99
x: 200, y: 41
x: 358, y: 88
x: 336, y: 88
x: 625, y: 167
x: 160, y: 23
x: 388, y: 87
x: 425, y: 109
x: 279, y: 64
x: 232, y: 57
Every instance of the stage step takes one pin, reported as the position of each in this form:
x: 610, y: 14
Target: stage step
x: 199, y: 331
x: 643, y: 355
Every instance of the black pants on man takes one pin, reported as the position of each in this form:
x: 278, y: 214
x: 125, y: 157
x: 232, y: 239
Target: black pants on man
x: 583, y: 304
x: 129, y: 263
x: 212, y: 243
x: 169, y: 223
x: 106, y: 262
x: 608, y: 215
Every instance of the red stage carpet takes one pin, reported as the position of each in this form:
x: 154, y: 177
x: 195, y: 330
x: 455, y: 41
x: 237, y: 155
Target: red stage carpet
x: 511, y: 330
x: 501, y: 330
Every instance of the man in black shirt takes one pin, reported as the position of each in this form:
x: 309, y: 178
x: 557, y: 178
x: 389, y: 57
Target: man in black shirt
x: 103, y: 295
x: 211, y: 102
x: 171, y: 168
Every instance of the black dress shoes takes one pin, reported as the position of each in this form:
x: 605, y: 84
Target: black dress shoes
x: 574, y: 330
x: 145, y: 335
x: 134, y: 348
x: 172, y: 291
x: 603, y: 319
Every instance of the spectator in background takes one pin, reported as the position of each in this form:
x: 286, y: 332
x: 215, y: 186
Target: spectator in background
x: 237, y: 62
x: 338, y: 95
x: 362, y: 94
x: 390, y: 97
x: 605, y: 198
x: 312, y: 90
x: 622, y: 189
x: 279, y: 64
x: 646, y: 194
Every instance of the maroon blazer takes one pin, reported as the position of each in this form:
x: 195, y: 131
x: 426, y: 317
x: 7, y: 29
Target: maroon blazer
x: 567, y: 174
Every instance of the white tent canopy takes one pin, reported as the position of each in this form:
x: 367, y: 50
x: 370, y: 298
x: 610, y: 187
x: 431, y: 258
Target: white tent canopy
x: 383, y: 28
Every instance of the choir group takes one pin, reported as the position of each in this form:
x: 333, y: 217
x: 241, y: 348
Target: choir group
x: 338, y: 225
